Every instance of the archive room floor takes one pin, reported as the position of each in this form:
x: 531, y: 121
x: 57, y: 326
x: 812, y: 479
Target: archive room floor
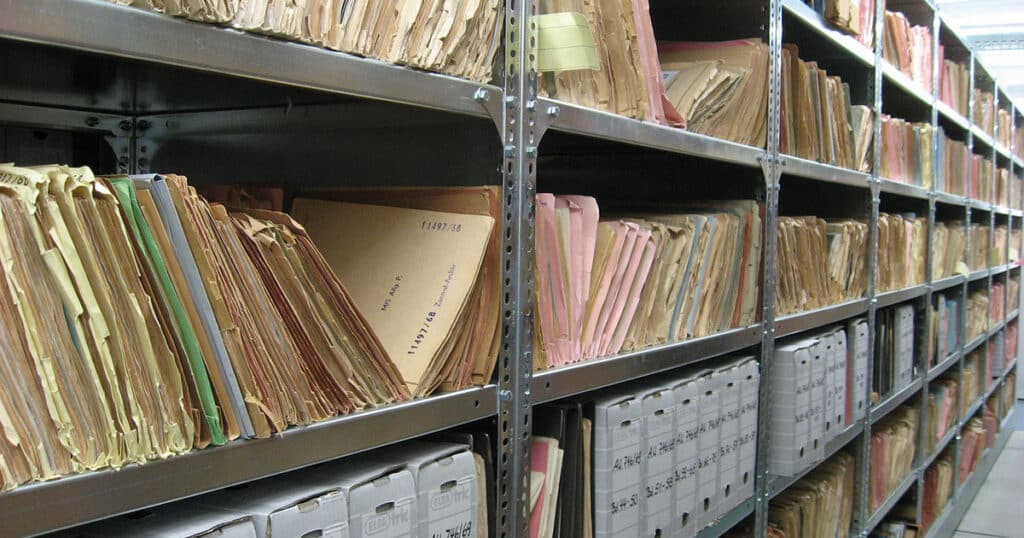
x: 994, y: 509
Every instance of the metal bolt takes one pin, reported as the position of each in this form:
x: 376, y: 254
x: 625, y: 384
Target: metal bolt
x: 142, y: 125
x: 510, y: 101
x: 505, y: 395
x: 531, y: 105
x: 481, y: 95
x: 553, y: 111
x: 92, y: 121
x: 531, y: 151
x: 510, y: 152
x: 125, y: 125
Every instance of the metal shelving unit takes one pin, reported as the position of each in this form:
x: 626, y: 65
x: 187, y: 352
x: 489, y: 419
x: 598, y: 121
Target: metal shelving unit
x: 173, y: 86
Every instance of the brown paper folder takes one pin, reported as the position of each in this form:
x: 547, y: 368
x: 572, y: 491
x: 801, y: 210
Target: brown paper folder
x: 411, y: 272
x: 485, y: 333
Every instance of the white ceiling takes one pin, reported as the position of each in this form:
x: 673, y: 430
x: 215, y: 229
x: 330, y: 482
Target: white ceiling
x: 996, y: 29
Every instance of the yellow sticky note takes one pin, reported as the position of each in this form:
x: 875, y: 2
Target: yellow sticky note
x: 565, y: 43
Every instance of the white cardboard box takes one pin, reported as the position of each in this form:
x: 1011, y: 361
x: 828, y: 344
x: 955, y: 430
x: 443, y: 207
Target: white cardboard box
x: 177, y: 520
x: 658, y: 445
x: 618, y: 421
x: 293, y: 504
x: 686, y: 459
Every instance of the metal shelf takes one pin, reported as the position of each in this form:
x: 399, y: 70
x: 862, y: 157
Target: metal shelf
x: 952, y: 115
x: 940, y: 446
x: 102, y: 27
x: 948, y: 282
x: 802, y: 321
x: 982, y: 135
x: 994, y: 330
x: 903, y: 189
x: 941, y: 367
x: 892, y: 401
x: 977, y: 275
x: 572, y: 118
x: 1008, y: 368
x: 887, y: 298
x: 946, y: 523
x: 778, y: 484
x: 975, y: 406
x: 578, y: 378
x: 890, y: 501
x: 90, y: 496
x: 951, y: 199
x: 905, y: 83
x: 1003, y: 150
x: 728, y: 521
x: 979, y: 205
x: 1012, y: 315
x: 972, y: 344
x: 797, y: 166
x: 811, y: 18
x: 1000, y: 269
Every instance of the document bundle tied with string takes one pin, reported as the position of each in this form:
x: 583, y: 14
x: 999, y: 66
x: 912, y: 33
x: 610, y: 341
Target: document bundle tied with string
x: 415, y: 275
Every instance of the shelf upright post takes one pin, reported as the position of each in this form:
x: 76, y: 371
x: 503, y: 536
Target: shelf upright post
x: 515, y: 362
x: 862, y: 459
x: 922, y: 441
x: 771, y: 165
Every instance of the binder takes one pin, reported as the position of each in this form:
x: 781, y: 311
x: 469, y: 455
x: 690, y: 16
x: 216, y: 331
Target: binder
x: 830, y: 427
x: 857, y: 370
x: 730, y: 386
x: 750, y: 376
x: 658, y: 445
x: 818, y: 353
x: 790, y: 449
x: 617, y: 422
x: 708, y: 439
x: 840, y: 357
x: 687, y: 456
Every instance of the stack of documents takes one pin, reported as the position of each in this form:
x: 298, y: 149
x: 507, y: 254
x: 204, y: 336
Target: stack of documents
x: 1016, y: 189
x: 176, y: 324
x: 1018, y: 143
x: 894, y: 351
x: 820, y: 263
x: 855, y: 17
x: 719, y: 88
x: 817, y: 390
x: 978, y: 255
x: 973, y: 379
x: 938, y: 489
x: 946, y: 333
x: 1013, y: 251
x: 1002, y: 187
x: 977, y: 313
x: 1010, y: 351
x: 955, y: 163
x: 820, y: 504
x: 999, y: 245
x: 893, y: 444
x: 1008, y: 392
x: 982, y: 179
x: 647, y: 460
x: 1004, y: 120
x: 605, y: 286
x: 996, y: 352
x: 818, y: 121
x: 950, y: 243
x: 997, y: 301
x: 909, y: 48
x: 460, y: 40
x: 907, y: 151
x: 972, y: 447
x: 902, y: 251
x: 1013, y: 293
x: 418, y: 279
x: 984, y: 111
x: 943, y: 394
x: 624, y: 77
x: 954, y: 83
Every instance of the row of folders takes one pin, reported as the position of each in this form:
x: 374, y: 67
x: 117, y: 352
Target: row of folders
x: 604, y: 55
x: 251, y: 320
